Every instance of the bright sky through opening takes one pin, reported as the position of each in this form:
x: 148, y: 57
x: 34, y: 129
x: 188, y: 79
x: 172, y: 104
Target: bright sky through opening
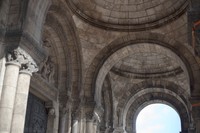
x: 158, y: 118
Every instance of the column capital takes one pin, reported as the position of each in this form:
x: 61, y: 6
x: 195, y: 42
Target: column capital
x: 52, y: 112
x: 12, y: 57
x: 29, y: 67
x: 19, y: 56
x: 98, y: 113
x: 76, y: 115
x: 89, y: 115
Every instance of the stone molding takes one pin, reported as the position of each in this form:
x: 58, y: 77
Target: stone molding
x: 43, y: 87
x: 135, y: 75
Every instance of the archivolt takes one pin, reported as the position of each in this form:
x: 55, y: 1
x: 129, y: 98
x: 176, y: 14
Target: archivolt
x: 153, y: 91
x: 118, y: 49
x: 153, y: 95
x: 60, y: 25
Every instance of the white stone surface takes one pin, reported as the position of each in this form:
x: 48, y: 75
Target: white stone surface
x: 75, y: 127
x: 20, y: 103
x: 89, y: 127
x: 2, y: 72
x: 8, y: 97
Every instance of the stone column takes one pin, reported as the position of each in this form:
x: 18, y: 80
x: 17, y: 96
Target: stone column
x: 2, y: 72
x: 75, y: 123
x: 89, y: 126
x: 90, y: 122
x: 95, y: 124
x: 62, y: 121
x: 69, y: 118
x: 82, y: 126
x: 9, y: 91
x: 195, y: 114
x: 28, y: 66
x: 69, y: 121
x: 53, y: 117
x: 75, y: 126
x: 82, y: 120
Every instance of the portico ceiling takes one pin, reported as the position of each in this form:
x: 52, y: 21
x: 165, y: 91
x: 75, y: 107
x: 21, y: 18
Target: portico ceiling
x: 147, y: 63
x: 128, y: 14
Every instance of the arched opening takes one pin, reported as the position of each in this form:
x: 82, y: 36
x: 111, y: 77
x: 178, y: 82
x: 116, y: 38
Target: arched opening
x: 158, y: 118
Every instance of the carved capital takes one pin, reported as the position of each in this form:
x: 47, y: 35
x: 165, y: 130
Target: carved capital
x: 24, y: 59
x: 29, y: 67
x: 98, y: 113
x: 89, y: 116
x: 51, y: 112
x: 14, y: 56
x: 76, y: 115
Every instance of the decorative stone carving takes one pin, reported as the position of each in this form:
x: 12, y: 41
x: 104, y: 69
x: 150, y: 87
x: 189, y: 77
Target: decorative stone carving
x: 47, y: 69
x: 24, y: 59
x: 98, y: 113
x: 15, y: 56
x: 51, y: 112
x: 46, y: 43
x: 89, y: 115
x: 76, y: 115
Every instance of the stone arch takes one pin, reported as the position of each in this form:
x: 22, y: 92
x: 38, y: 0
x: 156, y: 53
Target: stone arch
x: 153, y: 83
x: 95, y: 74
x: 153, y: 91
x: 12, y: 20
x: 145, y: 104
x: 155, y: 96
x: 33, y: 24
x: 61, y: 27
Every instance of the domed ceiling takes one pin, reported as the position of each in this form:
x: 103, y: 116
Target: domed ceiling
x: 128, y: 14
x: 148, y: 62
